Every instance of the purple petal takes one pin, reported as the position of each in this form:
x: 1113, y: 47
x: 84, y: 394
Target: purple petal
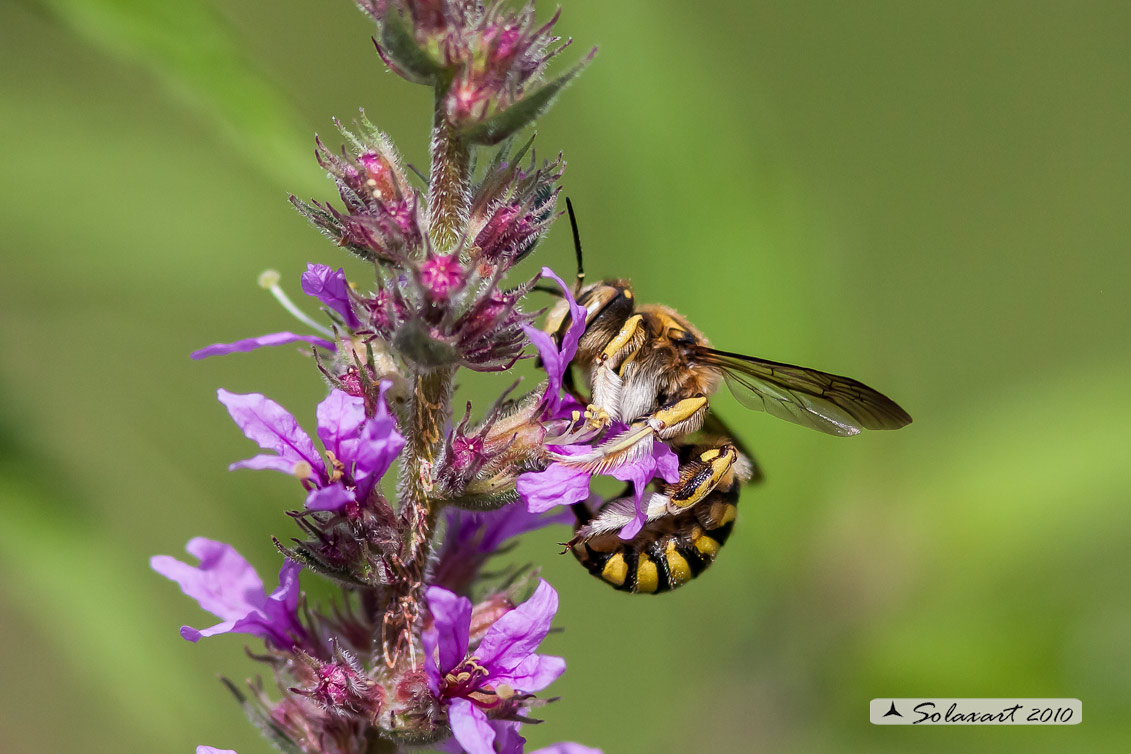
x: 567, y: 747
x: 533, y: 674
x: 224, y: 583
x: 332, y: 498
x: 273, y: 428
x: 577, y: 313
x: 227, y: 586
x: 340, y: 417
x: 507, y: 738
x: 250, y: 344
x: 556, y: 361
x: 667, y: 462
x: 511, y: 521
x: 471, y: 727
x: 446, y: 640
x: 265, y: 463
x: 551, y: 362
x: 513, y: 638
x: 379, y: 445
x: 330, y: 287
x: 282, y: 604
x: 557, y: 485
x: 662, y: 462
x: 213, y: 750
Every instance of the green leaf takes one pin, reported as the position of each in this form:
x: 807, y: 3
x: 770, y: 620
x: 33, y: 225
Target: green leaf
x: 523, y: 113
x: 401, y: 47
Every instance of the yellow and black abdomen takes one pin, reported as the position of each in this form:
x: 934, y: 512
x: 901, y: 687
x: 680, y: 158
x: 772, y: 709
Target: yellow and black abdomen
x: 667, y: 553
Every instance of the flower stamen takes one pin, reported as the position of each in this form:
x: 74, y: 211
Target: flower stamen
x: 269, y: 279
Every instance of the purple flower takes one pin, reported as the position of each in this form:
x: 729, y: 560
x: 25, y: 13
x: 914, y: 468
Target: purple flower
x: 563, y: 483
x: 228, y: 587
x: 213, y: 750
x: 501, y: 668
x: 472, y: 537
x: 361, y: 449
x: 250, y: 344
x: 330, y: 287
x: 270, y: 280
x: 554, y: 360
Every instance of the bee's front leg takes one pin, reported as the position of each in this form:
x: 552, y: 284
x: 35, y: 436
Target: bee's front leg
x: 673, y: 419
x: 607, y: 375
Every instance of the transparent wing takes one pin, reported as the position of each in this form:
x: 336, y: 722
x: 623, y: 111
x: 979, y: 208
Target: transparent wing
x: 836, y: 405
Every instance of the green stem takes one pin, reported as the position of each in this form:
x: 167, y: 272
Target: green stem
x: 449, y: 179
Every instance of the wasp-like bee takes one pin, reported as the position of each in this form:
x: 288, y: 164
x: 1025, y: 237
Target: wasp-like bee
x: 649, y: 367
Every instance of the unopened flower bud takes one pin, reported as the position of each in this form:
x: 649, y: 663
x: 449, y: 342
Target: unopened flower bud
x: 441, y: 275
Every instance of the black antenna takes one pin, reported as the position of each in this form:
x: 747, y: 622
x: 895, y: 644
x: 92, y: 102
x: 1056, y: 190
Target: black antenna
x: 576, y: 247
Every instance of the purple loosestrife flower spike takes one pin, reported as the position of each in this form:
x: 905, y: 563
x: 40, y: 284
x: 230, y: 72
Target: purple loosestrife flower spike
x: 228, y: 587
x: 402, y: 660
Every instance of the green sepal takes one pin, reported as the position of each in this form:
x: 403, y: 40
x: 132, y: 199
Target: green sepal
x: 484, y: 502
x: 523, y: 113
x: 415, y: 343
x: 308, y: 559
x: 401, y: 46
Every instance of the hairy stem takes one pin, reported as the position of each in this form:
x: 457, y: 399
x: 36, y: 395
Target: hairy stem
x: 429, y: 412
x: 449, y: 180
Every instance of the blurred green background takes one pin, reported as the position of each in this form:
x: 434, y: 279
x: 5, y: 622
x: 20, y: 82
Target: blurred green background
x: 931, y: 197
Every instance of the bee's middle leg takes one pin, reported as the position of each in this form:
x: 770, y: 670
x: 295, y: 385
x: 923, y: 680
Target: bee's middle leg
x: 707, y: 467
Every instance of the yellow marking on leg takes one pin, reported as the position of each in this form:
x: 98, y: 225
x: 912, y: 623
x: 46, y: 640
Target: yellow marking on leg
x: 720, y: 461
x: 707, y: 547
x: 615, y: 570
x: 629, y: 359
x: 647, y: 575
x: 681, y: 411
x: 722, y: 514
x: 678, y: 566
x: 623, y: 338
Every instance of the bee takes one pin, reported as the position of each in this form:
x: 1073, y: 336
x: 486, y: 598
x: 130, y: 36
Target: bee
x: 649, y: 367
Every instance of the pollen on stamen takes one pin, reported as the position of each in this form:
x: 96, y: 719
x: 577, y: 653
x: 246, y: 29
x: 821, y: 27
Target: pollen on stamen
x: 268, y: 279
x: 303, y: 471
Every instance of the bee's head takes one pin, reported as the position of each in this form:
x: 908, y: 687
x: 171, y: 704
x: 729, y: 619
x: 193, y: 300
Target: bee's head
x: 607, y: 300
x: 607, y: 305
